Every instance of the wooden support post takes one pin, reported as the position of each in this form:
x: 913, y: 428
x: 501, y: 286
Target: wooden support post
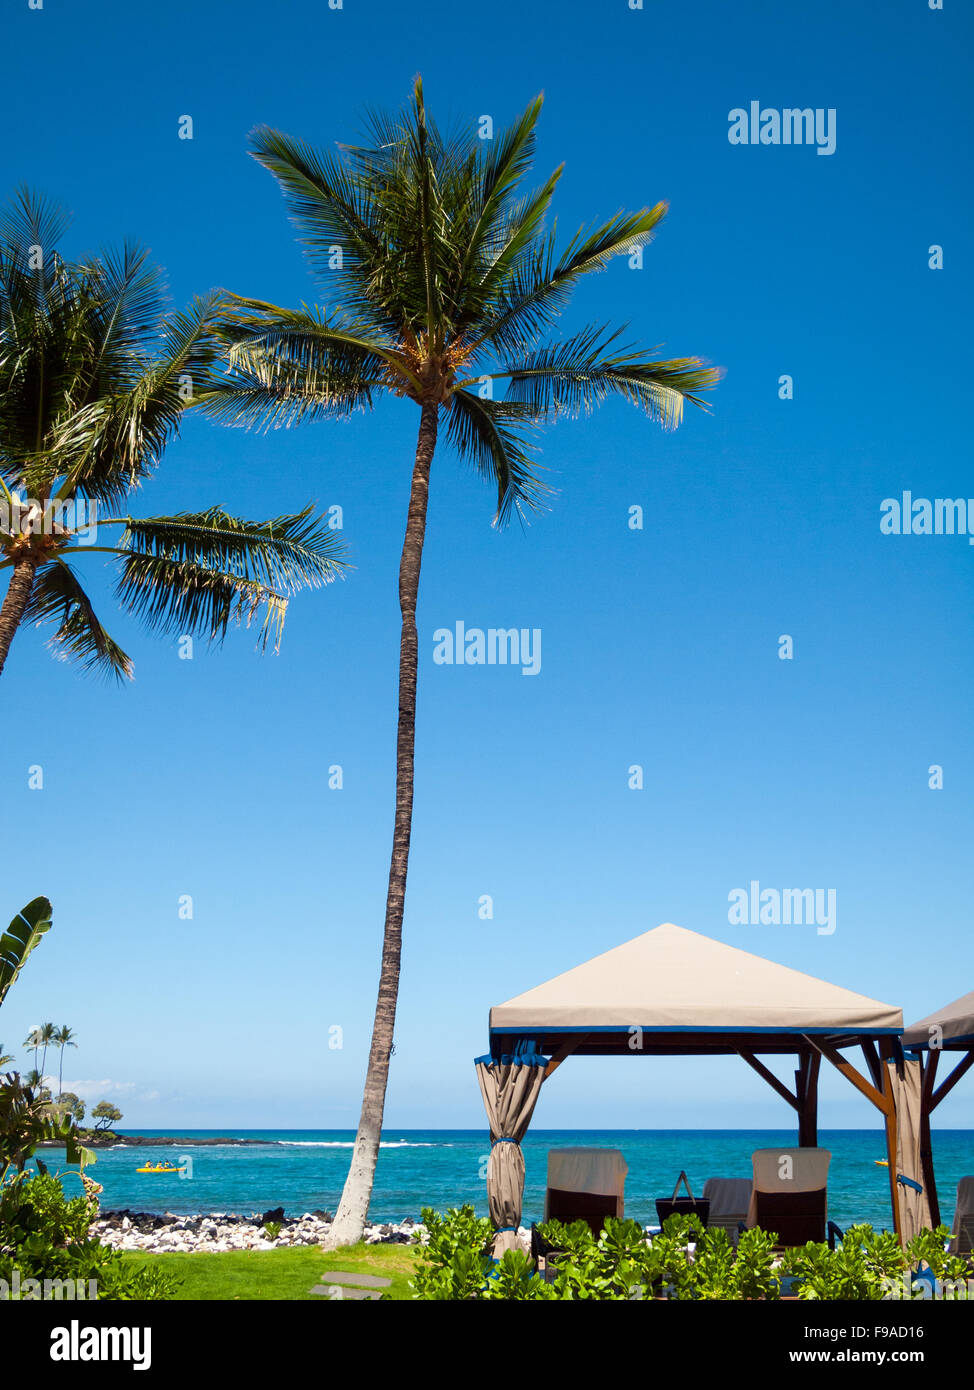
x: 806, y: 1078
x: 929, y: 1071
x: 883, y: 1101
x: 872, y: 1062
x: 932, y: 1096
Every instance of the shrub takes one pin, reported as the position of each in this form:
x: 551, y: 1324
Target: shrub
x: 683, y: 1261
x: 456, y: 1258
x: 44, y: 1236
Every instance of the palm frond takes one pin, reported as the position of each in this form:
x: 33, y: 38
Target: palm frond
x: 506, y: 164
x: 117, y: 438
x: 538, y: 287
x: 287, y: 552
x: 574, y: 376
x: 197, y: 572
x: 57, y: 596
x: 491, y: 435
x: 336, y: 360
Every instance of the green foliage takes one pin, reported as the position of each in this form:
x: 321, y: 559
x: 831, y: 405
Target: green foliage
x: 755, y: 1273
x: 929, y: 1248
x: 455, y: 1262
x: 614, y: 1267
x: 449, y: 278
x: 105, y: 1114
x: 70, y: 1104
x: 856, y: 1269
x: 44, y: 1236
x: 684, y: 1261
x: 95, y: 375
x: 514, y: 1278
x: 20, y: 938
x: 27, y: 1120
x: 272, y: 1229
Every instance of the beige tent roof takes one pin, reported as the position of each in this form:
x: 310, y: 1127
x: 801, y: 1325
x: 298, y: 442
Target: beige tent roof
x: 956, y: 1020
x: 672, y: 981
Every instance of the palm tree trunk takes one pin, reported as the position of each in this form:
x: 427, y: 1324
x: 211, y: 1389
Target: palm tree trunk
x: 15, y: 603
x: 349, y: 1224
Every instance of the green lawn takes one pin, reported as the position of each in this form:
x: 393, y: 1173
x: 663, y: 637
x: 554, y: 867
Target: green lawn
x: 288, y: 1273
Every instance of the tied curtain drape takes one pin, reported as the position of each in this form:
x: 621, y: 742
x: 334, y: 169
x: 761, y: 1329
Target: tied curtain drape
x: 510, y: 1086
x: 906, y: 1078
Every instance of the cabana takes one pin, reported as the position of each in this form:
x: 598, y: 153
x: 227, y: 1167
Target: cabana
x: 672, y: 992
x: 950, y: 1029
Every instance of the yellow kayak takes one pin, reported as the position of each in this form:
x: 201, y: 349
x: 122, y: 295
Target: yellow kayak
x: 159, y: 1168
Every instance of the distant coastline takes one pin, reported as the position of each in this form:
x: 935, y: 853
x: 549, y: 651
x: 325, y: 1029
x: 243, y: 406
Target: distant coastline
x: 109, y: 1140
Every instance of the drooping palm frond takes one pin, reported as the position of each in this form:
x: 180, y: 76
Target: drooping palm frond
x: 492, y: 436
x: 287, y: 552
x: 572, y: 377
x: 285, y: 365
x: 58, y: 596
x: 198, y: 571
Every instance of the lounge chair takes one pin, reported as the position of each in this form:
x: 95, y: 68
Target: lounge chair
x: 729, y: 1201
x: 962, y: 1242
x: 583, y: 1185
x: 789, y: 1195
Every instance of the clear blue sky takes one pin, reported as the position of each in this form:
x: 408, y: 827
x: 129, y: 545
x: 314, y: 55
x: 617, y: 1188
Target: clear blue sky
x: 660, y: 646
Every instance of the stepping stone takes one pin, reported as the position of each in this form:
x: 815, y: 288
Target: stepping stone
x: 325, y: 1290
x: 364, y: 1281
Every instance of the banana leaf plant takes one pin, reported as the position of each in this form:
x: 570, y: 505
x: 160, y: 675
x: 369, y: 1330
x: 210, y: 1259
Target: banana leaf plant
x: 20, y: 938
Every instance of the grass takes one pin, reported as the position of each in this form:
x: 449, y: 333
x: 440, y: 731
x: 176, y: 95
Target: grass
x: 288, y: 1273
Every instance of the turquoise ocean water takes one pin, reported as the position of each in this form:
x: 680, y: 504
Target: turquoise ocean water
x: 303, y: 1170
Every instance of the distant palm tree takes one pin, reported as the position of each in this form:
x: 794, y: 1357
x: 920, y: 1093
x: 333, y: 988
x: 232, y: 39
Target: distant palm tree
x: 94, y: 377
x: 33, y: 1040
x: 5, y: 1057
x: 48, y: 1035
x: 446, y: 285
x: 63, y: 1037
x: 34, y: 1080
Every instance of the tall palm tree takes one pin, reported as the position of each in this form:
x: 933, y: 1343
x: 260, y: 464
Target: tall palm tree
x: 63, y: 1037
x: 446, y: 286
x: 94, y: 377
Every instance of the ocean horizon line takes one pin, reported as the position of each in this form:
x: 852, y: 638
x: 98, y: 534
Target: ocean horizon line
x: 231, y: 1130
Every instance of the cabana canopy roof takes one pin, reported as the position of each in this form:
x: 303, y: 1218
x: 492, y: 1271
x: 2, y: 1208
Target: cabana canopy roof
x: 956, y: 1022
x: 687, y: 994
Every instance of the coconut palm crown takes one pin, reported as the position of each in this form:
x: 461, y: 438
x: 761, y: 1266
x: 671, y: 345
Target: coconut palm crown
x: 444, y: 287
x: 95, y: 373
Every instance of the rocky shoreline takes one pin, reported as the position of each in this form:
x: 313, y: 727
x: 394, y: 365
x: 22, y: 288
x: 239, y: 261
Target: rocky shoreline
x: 140, y: 1230
x: 223, y: 1231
